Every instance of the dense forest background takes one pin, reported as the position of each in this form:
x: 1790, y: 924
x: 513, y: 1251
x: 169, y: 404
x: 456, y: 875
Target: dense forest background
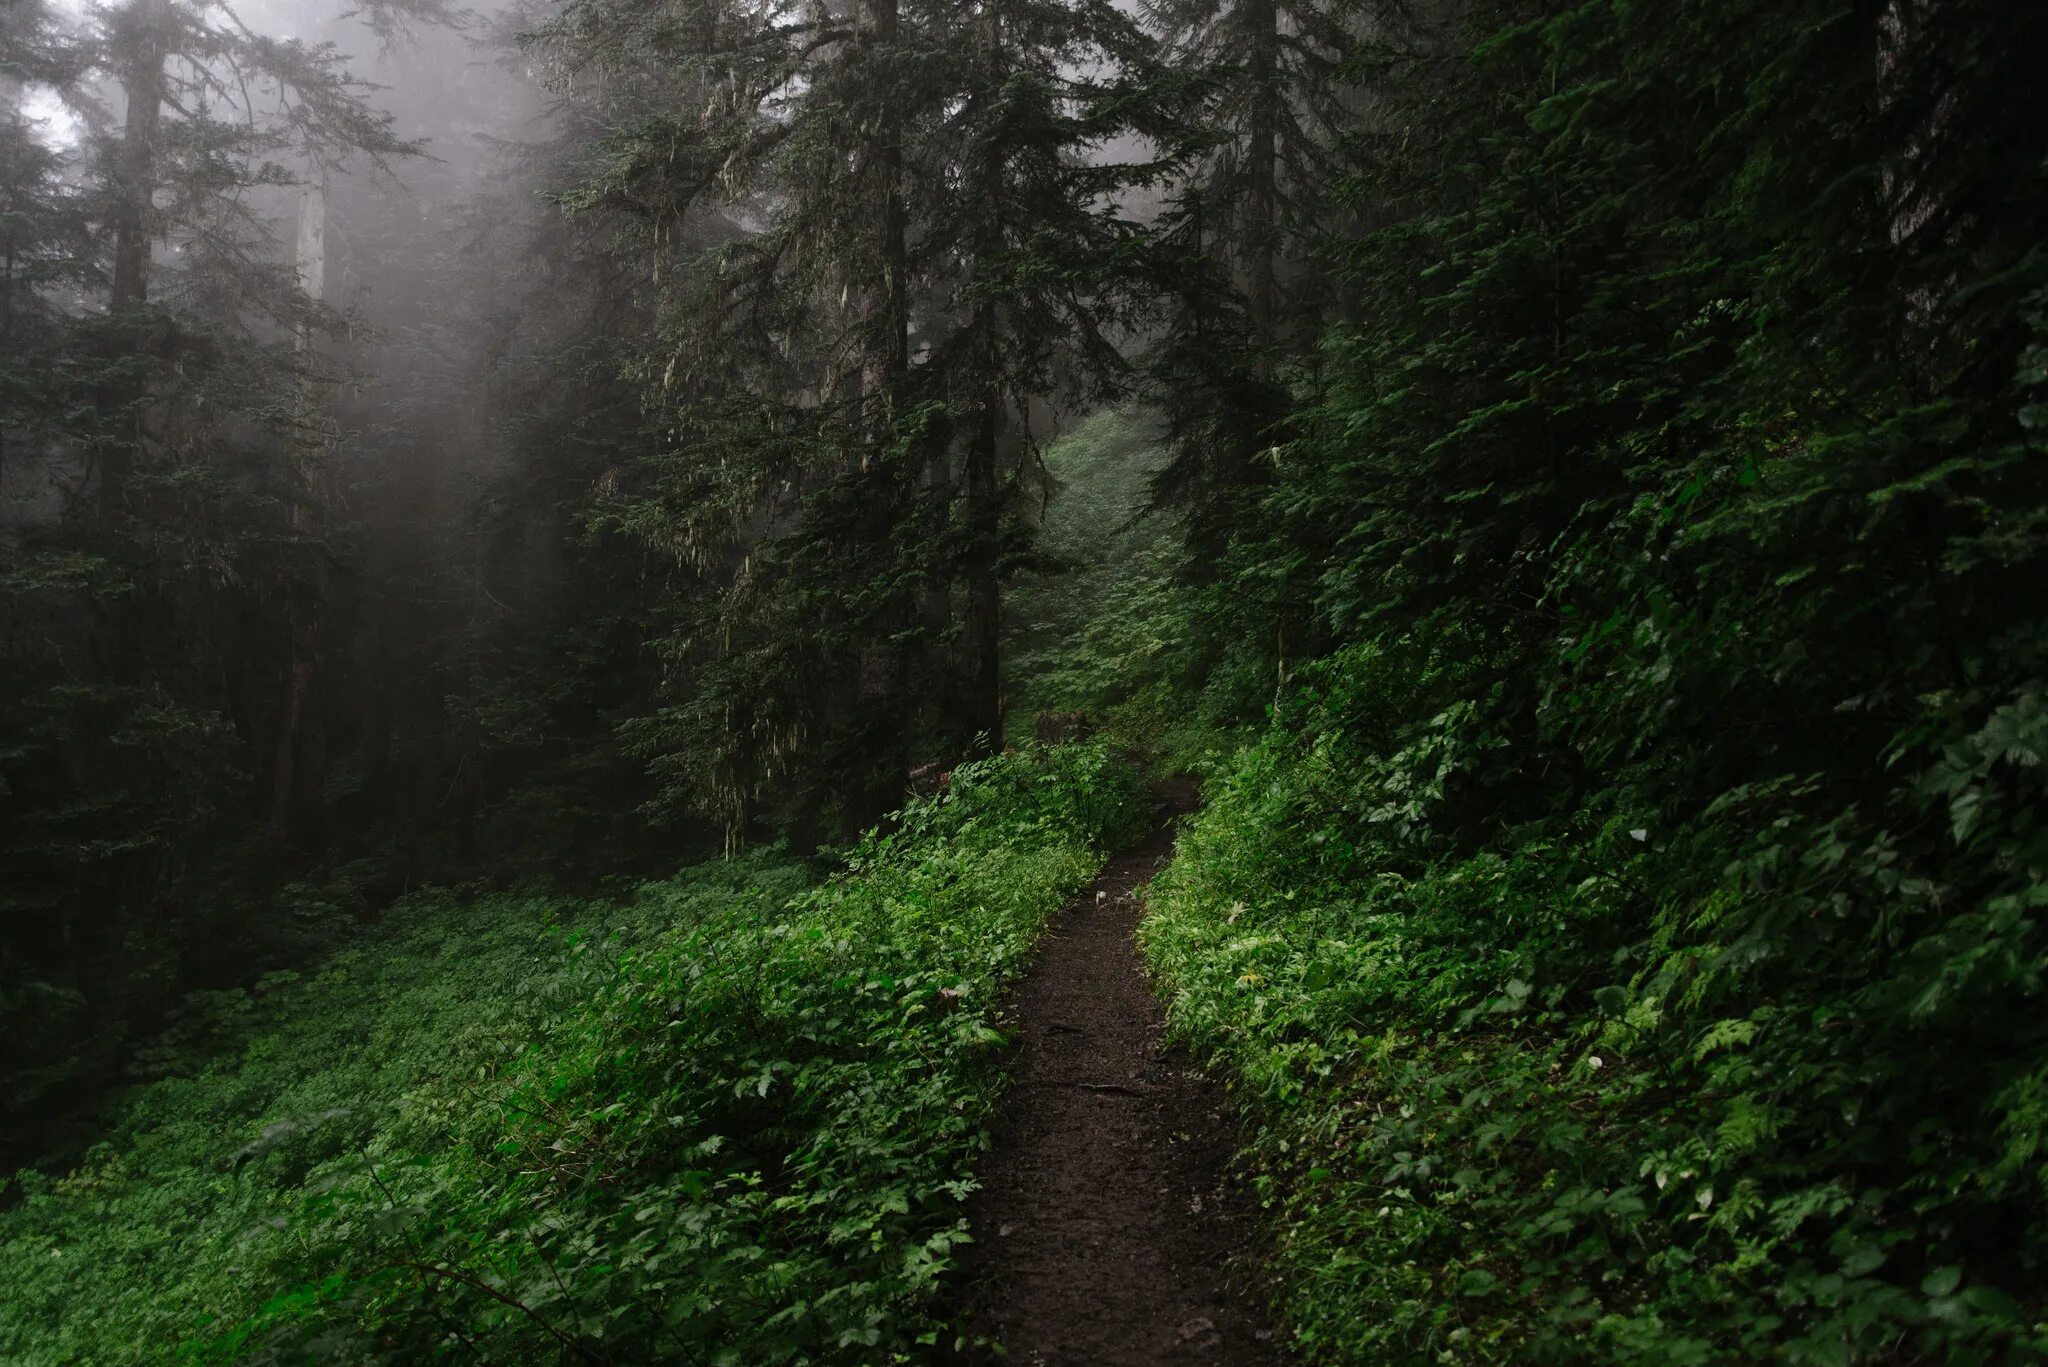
x: 1567, y: 474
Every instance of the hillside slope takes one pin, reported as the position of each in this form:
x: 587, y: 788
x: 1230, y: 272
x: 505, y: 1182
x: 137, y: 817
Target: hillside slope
x: 726, y: 1121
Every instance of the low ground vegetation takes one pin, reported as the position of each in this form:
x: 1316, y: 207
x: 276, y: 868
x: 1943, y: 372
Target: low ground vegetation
x: 729, y: 1119
x: 1729, y: 1081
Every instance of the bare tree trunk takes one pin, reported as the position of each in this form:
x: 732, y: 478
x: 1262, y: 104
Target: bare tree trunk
x: 10, y: 110
x: 881, y: 677
x: 6, y: 332
x: 887, y: 339
x: 1262, y: 190
x: 299, y: 766
x: 981, y: 626
x: 146, y: 36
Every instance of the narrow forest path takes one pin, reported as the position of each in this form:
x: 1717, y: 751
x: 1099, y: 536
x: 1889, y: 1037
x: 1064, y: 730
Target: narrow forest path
x: 1106, y: 1228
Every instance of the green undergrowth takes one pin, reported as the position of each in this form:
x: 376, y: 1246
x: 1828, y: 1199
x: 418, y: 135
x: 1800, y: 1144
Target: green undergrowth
x: 1104, y: 624
x: 731, y: 1119
x: 1724, y: 1077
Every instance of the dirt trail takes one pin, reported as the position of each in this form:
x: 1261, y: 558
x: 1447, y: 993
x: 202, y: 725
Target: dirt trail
x: 1106, y: 1231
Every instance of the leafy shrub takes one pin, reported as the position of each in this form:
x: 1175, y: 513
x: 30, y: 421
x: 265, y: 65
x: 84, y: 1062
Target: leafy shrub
x: 725, y: 1122
x: 1631, y: 942
x: 1732, y: 1081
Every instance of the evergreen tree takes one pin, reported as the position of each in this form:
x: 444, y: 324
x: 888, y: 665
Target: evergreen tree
x: 547, y: 653
x: 870, y: 241
x: 1277, y: 72
x: 156, y: 575
x: 1066, y: 121
x: 1669, y: 505
x: 1284, y: 99
x: 754, y: 185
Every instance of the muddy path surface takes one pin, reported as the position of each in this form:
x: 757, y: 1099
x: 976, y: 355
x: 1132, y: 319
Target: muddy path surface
x: 1107, y: 1230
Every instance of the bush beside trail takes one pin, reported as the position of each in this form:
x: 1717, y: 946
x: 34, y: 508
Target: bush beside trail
x: 732, y: 1119
x: 1744, y: 1079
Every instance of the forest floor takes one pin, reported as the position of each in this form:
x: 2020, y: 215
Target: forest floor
x: 1108, y: 1229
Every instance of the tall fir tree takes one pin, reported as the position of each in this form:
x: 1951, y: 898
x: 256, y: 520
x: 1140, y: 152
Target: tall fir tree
x: 1068, y: 124
x: 870, y: 240
x: 157, y: 444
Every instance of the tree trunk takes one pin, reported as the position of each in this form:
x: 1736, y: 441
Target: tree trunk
x: 146, y: 37
x: 6, y: 332
x: 887, y: 339
x: 981, y: 709
x: 298, y: 774
x: 10, y: 110
x: 299, y: 765
x: 1262, y: 190
x: 881, y: 681
x: 982, y: 625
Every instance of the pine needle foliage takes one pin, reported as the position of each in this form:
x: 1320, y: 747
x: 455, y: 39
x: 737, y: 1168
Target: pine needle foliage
x: 1629, y: 936
x: 155, y: 445
x: 874, y: 246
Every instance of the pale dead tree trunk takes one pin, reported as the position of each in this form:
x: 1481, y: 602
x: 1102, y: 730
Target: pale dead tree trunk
x: 1261, y: 170
x: 299, y: 768
x: 145, y: 32
x: 312, y: 253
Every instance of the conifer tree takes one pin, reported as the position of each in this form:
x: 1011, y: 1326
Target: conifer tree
x: 1263, y: 194
x: 756, y: 186
x: 1066, y: 122
x: 1246, y: 224
x: 154, y: 436
x: 890, y: 231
